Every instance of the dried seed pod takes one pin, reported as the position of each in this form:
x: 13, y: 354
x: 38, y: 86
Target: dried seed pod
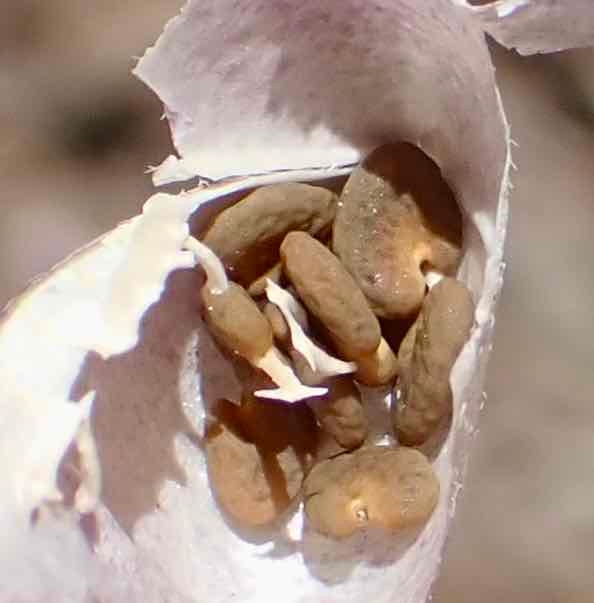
x: 341, y: 414
x: 396, y: 218
x: 379, y: 487
x: 246, y: 236
x: 330, y: 293
x: 237, y: 323
x: 258, y: 455
x: 423, y: 397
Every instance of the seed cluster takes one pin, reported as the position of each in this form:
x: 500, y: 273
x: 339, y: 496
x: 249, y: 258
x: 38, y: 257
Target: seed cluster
x: 309, y: 288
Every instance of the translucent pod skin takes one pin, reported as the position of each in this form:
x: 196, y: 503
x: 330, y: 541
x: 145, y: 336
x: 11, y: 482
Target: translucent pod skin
x: 236, y: 321
x: 379, y: 487
x: 423, y: 397
x: 247, y: 235
x: 258, y: 455
x: 397, y: 216
x: 331, y: 295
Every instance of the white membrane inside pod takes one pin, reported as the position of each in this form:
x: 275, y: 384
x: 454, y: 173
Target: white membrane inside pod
x: 533, y: 26
x: 257, y: 88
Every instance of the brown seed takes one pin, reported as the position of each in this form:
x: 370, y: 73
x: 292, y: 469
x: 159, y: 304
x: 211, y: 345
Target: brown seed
x: 378, y: 368
x: 380, y: 487
x: 247, y: 235
x: 278, y: 324
x: 258, y: 287
x: 236, y: 321
x: 341, y: 414
x: 396, y: 217
x: 423, y: 397
x: 330, y: 294
x: 258, y: 456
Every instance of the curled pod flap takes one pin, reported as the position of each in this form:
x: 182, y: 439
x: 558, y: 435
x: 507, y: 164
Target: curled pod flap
x: 533, y: 26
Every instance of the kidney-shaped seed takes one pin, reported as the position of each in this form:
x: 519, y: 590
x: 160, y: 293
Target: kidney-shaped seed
x: 380, y: 487
x: 330, y: 294
x: 236, y: 321
x: 423, y: 397
x: 340, y: 412
x: 396, y: 217
x: 247, y: 235
x: 258, y: 456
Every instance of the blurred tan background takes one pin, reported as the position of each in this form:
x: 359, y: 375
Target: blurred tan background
x: 78, y: 132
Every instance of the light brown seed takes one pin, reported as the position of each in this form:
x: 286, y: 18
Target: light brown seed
x: 340, y: 412
x: 379, y: 368
x: 258, y: 456
x: 278, y: 324
x: 330, y: 294
x: 396, y: 217
x: 247, y: 235
x: 423, y: 397
x: 258, y: 287
x: 380, y: 487
x: 236, y: 321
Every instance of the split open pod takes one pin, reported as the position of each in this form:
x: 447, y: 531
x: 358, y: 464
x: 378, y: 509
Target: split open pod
x: 105, y: 362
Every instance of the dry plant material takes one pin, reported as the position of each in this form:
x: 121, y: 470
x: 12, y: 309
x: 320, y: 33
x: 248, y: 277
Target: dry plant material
x: 423, y: 397
x: 258, y: 455
x: 396, y: 218
x: 332, y: 296
x: 247, y: 235
x: 376, y: 487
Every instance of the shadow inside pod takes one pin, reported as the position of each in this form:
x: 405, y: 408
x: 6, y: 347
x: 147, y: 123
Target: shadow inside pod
x: 138, y: 409
x: 394, y: 331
